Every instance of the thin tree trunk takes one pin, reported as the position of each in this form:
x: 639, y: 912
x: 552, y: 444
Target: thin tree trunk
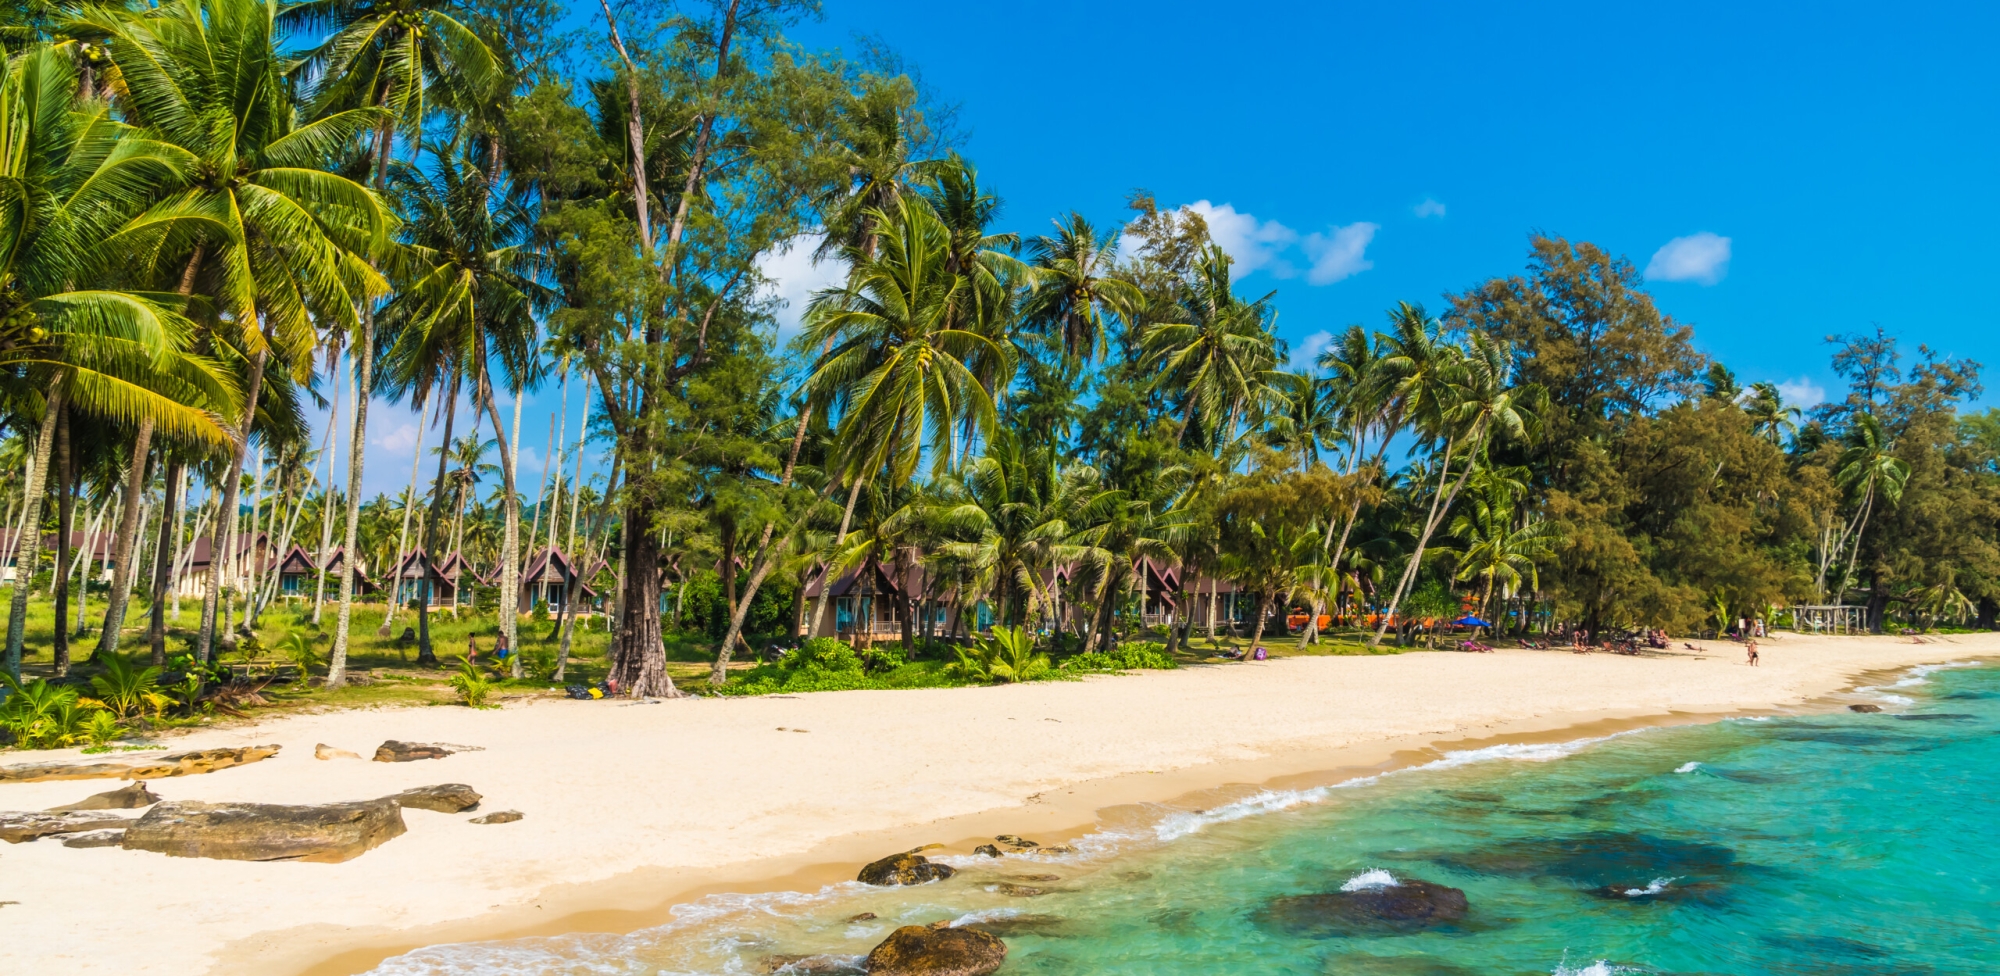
x: 542, y: 493
x: 128, y: 537
x: 1440, y: 503
x: 331, y: 448
x: 403, y: 535
x: 827, y: 577
x: 425, y: 655
x: 510, y: 544
x: 577, y: 568
x: 226, y: 512
x: 163, y: 560
x: 65, y: 524
x: 507, y: 486
x: 27, y: 544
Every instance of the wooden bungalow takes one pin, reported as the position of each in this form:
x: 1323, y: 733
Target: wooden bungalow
x: 440, y: 585
x: 547, y: 579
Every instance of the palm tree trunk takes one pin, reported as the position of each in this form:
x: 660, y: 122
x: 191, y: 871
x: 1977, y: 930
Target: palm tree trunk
x: 1257, y: 629
x: 403, y: 536
x: 509, y: 619
x: 768, y: 554
x: 826, y: 578
x: 425, y: 655
x: 225, y: 520
x: 128, y: 536
x: 163, y: 560
x: 331, y: 447
x: 578, y: 566
x: 1440, y: 503
x: 65, y: 524
x: 27, y: 544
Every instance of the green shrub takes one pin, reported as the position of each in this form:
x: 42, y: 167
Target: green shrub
x: 101, y: 727
x: 127, y: 689
x: 1130, y: 656
x: 1008, y: 654
x: 539, y: 663
x: 472, y: 685
x: 43, y: 716
x: 881, y: 658
x: 299, y: 649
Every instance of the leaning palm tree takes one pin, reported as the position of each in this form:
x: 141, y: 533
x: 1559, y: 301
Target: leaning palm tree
x: 1770, y: 418
x: 71, y: 181
x: 893, y: 357
x: 285, y: 243
x: 1867, y: 468
x: 392, y: 56
x: 477, y: 285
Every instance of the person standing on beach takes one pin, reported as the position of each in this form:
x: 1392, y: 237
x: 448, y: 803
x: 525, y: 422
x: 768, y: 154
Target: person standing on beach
x: 1751, y: 650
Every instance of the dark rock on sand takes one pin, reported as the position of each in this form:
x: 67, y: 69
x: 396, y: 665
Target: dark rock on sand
x: 443, y: 798
x: 95, y: 838
x: 327, y: 832
x: 917, y: 950
x: 133, y: 797
x: 1012, y: 840
x: 1407, y: 906
x: 987, y: 849
x: 1864, y: 708
x: 395, y: 751
x: 907, y: 868
x: 155, y: 767
x: 16, y: 828
x: 498, y: 817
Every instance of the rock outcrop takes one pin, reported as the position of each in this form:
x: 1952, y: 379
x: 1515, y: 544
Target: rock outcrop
x: 324, y: 751
x: 95, y: 838
x: 133, y: 797
x: 395, y: 751
x: 907, y: 868
x: 498, y: 817
x: 156, y: 767
x: 16, y: 828
x: 327, y: 832
x: 936, y: 950
x: 1407, y: 905
x: 1864, y: 707
x: 442, y: 798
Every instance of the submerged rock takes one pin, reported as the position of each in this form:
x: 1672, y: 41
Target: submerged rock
x: 498, y: 817
x: 825, y: 964
x: 131, y: 797
x: 1596, y: 859
x: 987, y: 849
x: 918, y: 950
x: 156, y: 767
x: 442, y: 798
x: 1864, y: 708
x: 24, y: 826
x: 95, y: 838
x: 397, y: 751
x: 327, y: 832
x: 1934, y: 717
x: 1008, y: 926
x: 907, y: 868
x: 1013, y: 890
x: 1407, y: 905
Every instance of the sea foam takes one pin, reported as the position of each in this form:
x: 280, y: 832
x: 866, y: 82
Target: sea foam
x: 1688, y: 767
x: 1371, y: 878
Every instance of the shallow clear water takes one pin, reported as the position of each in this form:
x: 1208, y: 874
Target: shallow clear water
x: 1844, y: 845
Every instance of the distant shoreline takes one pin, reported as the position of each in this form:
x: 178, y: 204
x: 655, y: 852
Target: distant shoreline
x: 633, y: 809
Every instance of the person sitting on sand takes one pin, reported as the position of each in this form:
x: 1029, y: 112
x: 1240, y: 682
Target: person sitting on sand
x: 1751, y: 649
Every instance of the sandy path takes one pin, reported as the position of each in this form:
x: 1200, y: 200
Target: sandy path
x: 685, y: 793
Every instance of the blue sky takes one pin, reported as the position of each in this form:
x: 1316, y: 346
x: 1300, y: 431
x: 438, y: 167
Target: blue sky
x: 1355, y: 155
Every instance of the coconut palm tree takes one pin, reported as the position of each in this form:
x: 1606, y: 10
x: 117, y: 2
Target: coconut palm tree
x: 283, y: 243
x: 1219, y: 358
x: 1500, y: 545
x: 1867, y: 468
x: 1074, y: 294
x: 72, y: 180
x: 1770, y: 418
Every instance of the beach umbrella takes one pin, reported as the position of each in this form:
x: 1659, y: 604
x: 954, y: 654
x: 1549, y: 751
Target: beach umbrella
x: 1470, y: 621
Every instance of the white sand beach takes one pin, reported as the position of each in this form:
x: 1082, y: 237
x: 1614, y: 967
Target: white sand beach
x: 630, y: 807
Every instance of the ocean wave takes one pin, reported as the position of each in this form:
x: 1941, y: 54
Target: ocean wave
x: 1371, y: 878
x: 1688, y: 767
x: 1658, y: 885
x: 1922, y: 672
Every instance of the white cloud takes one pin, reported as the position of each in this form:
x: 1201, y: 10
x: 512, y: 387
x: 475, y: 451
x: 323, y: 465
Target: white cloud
x: 1702, y: 258
x: 792, y: 276
x: 1341, y: 254
x: 1307, y: 352
x: 1254, y: 243
x: 1802, y: 393
x: 1429, y: 208
x: 399, y: 440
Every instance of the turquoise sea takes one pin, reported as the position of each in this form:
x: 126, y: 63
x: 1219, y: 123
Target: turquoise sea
x: 1833, y: 844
